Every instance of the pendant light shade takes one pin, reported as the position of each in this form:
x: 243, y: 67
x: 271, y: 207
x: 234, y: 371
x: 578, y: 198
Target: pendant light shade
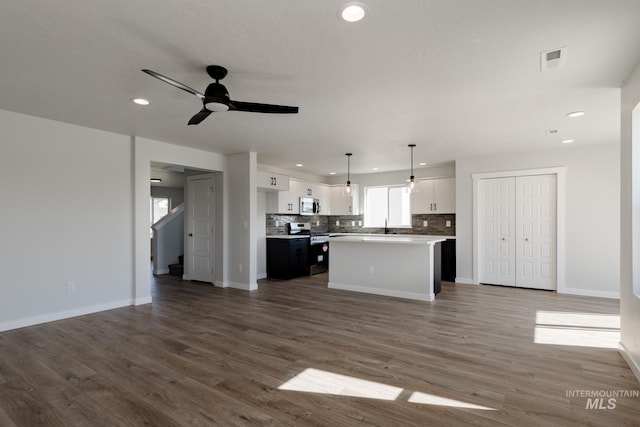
x: 347, y: 188
x: 412, y: 182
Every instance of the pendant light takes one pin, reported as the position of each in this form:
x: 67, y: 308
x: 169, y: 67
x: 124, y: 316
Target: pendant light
x: 348, y: 186
x: 412, y: 182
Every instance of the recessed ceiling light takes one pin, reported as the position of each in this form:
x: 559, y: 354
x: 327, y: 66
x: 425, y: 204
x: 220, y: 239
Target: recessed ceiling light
x: 374, y: 169
x: 575, y: 114
x: 567, y: 141
x: 140, y: 101
x: 422, y: 164
x: 332, y: 173
x: 299, y: 165
x: 352, y: 12
x: 156, y: 180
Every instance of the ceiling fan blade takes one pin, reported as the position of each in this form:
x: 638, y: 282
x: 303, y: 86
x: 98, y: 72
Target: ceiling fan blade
x: 174, y: 83
x: 200, y: 116
x: 262, y: 108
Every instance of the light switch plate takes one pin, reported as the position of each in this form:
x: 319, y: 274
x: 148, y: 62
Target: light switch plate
x: 447, y: 224
x: 353, y: 223
x: 425, y: 223
x: 337, y: 223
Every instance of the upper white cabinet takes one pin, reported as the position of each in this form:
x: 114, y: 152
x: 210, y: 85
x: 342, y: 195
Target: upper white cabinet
x: 288, y: 202
x: 436, y: 196
x: 272, y: 181
x: 324, y: 195
x: 344, y: 204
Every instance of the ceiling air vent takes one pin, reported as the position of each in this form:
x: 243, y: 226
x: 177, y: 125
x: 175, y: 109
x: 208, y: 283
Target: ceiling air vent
x: 553, y: 58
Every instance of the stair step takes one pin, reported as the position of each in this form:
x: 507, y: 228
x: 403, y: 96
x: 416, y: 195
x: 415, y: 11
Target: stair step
x: 176, y: 269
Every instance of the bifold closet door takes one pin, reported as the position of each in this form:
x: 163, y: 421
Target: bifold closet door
x: 497, y: 231
x: 518, y: 231
x: 536, y: 231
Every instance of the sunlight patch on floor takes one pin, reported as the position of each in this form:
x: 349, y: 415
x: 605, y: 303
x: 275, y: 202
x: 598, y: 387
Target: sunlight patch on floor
x: 317, y: 381
x: 323, y: 382
x: 431, y: 399
x: 577, y: 329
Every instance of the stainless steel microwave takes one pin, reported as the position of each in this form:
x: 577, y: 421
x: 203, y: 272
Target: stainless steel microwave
x: 309, y: 206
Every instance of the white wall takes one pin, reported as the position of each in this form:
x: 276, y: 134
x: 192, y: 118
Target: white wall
x: 62, y: 221
x: 242, y: 205
x: 629, y: 302
x: 592, y: 212
x: 261, y: 233
x: 176, y: 195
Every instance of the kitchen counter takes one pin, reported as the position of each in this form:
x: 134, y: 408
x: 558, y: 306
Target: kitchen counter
x: 389, y: 238
x: 395, y: 265
x: 390, y: 235
x: 287, y: 236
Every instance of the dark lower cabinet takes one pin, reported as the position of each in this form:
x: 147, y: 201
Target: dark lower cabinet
x: 287, y: 258
x: 448, y: 270
x: 437, y: 267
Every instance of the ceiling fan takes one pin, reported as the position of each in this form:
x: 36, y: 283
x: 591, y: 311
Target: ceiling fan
x: 216, y: 97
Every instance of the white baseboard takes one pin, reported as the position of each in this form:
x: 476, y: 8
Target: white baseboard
x: 465, y: 280
x: 221, y: 284
x: 59, y: 315
x: 261, y: 276
x: 385, y: 292
x: 142, y: 300
x: 589, y: 293
x: 161, y: 271
x: 243, y: 286
x: 633, y: 364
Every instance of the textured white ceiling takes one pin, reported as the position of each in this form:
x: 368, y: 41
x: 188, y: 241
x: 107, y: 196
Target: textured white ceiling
x: 459, y: 78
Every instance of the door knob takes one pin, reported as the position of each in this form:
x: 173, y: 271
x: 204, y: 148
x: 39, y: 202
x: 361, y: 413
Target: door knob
x: 190, y: 234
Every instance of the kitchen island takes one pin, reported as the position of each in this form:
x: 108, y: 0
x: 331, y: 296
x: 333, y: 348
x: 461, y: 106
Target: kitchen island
x: 393, y: 265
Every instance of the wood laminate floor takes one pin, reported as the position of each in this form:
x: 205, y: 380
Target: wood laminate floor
x: 295, y: 353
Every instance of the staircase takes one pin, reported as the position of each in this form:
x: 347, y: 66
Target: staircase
x: 177, y: 269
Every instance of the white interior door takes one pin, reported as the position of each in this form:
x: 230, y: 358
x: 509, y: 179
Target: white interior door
x: 497, y: 231
x: 536, y: 231
x: 200, y: 228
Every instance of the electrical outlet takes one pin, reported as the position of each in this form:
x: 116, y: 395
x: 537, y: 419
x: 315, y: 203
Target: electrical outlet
x: 71, y: 287
x: 447, y: 224
x: 425, y: 223
x: 337, y: 223
x: 359, y: 223
x: 278, y: 223
x: 353, y: 223
x: 370, y: 269
x: 317, y: 223
x: 240, y: 268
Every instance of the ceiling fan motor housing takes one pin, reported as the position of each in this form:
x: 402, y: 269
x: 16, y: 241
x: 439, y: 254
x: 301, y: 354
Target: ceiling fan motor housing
x: 216, y: 97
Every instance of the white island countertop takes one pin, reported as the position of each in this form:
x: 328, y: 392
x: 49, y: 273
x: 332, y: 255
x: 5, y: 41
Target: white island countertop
x: 389, y: 238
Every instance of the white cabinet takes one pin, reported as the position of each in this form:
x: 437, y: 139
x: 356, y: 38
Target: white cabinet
x: 436, y: 196
x: 272, y: 181
x: 324, y: 195
x: 342, y: 203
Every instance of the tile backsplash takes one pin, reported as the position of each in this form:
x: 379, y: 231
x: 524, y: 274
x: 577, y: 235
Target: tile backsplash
x: 436, y: 224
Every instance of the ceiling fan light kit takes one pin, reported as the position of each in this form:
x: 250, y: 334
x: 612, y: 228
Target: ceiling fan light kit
x: 216, y: 97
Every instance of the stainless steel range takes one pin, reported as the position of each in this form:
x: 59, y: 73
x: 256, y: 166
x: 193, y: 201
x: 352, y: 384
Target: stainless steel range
x: 318, y: 253
x: 318, y: 246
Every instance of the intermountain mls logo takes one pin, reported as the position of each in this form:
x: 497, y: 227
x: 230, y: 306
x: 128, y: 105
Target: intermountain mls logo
x: 602, y: 399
